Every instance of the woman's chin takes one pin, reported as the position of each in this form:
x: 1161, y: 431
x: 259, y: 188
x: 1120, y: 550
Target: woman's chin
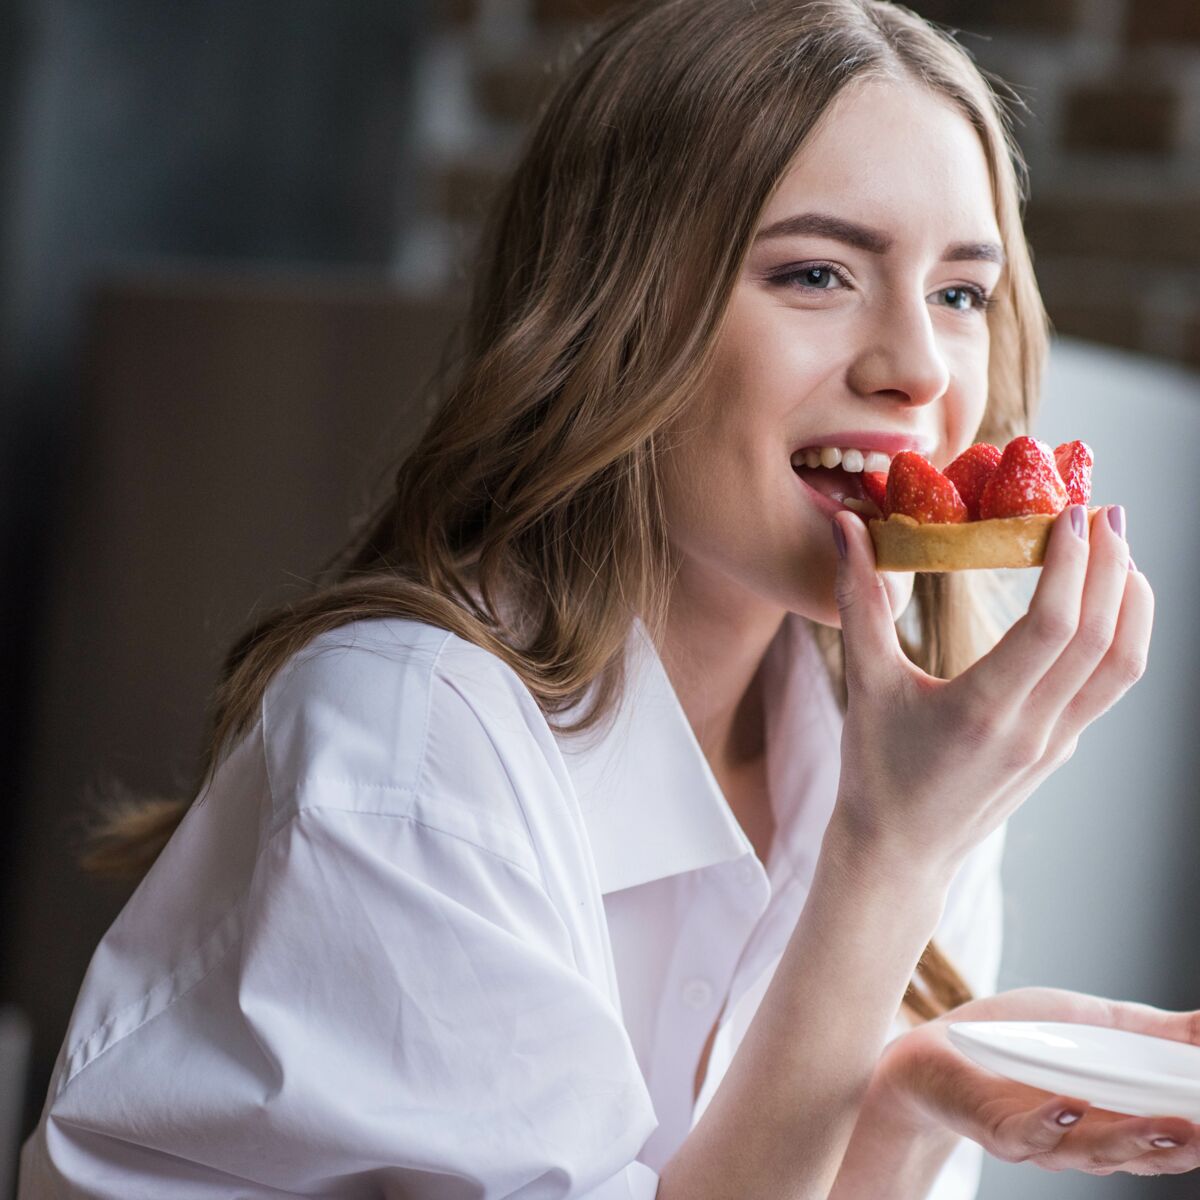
x: 897, y: 586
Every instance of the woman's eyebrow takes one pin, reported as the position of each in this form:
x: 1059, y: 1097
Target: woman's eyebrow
x: 824, y: 225
x: 872, y: 240
x: 974, y: 252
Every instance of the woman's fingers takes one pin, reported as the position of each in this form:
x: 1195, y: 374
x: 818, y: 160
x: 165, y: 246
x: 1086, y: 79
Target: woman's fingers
x: 1167, y: 1161
x: 1111, y: 1143
x: 1106, y: 585
x: 868, y: 626
x: 1108, y: 1142
x: 1027, y: 1135
x: 1019, y: 660
x: 1123, y: 663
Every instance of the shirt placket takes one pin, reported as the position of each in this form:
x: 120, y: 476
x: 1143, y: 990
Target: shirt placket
x: 723, y: 904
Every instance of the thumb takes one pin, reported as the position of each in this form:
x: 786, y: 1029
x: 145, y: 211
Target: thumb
x: 868, y: 628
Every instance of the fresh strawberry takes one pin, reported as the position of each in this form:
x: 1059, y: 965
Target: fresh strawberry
x: 875, y: 489
x: 1025, y: 482
x: 916, y: 488
x: 970, y: 471
x: 1074, y: 461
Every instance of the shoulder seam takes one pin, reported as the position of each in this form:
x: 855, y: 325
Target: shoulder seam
x: 264, y: 735
x: 490, y: 851
x: 452, y: 684
x: 433, y: 666
x: 400, y: 789
x: 512, y: 786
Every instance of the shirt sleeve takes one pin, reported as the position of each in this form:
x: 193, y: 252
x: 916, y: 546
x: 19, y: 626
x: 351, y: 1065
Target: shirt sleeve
x: 398, y: 1012
x: 421, y: 1020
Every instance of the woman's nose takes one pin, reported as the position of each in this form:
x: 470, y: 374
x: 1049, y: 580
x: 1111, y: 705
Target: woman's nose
x: 899, y: 357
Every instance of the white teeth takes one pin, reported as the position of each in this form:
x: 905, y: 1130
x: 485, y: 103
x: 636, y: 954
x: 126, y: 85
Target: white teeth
x: 849, y: 459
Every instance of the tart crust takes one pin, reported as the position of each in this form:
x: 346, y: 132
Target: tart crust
x: 902, y: 544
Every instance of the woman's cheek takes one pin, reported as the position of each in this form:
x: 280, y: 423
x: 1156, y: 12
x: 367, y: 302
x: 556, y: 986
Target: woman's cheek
x: 974, y: 405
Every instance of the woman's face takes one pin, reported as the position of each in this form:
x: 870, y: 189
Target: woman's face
x: 857, y: 324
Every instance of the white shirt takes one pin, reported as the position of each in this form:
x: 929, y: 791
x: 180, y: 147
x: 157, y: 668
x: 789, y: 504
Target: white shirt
x: 410, y: 943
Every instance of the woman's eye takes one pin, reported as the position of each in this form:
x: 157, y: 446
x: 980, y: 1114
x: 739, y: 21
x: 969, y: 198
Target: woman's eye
x: 815, y: 277
x: 964, y: 298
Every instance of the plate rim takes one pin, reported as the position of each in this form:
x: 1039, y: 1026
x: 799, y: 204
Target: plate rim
x: 1186, y: 1088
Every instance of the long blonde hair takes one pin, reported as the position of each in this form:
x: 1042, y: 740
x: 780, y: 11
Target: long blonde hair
x: 605, y: 269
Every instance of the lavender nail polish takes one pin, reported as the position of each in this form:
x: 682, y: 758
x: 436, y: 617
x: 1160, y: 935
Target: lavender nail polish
x: 1079, y: 520
x: 1116, y: 518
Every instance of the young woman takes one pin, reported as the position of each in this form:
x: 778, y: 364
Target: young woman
x: 527, y: 863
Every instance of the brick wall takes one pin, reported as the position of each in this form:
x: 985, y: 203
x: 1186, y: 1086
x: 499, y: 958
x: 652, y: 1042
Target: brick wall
x: 1113, y: 143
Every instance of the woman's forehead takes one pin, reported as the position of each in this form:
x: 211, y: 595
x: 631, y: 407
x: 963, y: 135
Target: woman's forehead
x: 891, y: 155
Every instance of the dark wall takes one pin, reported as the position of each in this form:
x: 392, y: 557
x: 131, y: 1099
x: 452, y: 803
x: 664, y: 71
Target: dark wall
x: 207, y: 136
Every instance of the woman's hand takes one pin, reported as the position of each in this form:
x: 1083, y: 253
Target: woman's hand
x: 928, y: 1083
x: 930, y: 767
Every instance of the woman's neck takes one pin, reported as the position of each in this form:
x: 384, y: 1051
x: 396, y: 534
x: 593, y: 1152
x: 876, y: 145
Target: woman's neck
x: 713, y: 652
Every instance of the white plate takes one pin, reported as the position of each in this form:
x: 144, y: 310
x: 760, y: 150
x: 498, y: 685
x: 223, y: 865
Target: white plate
x: 1125, y: 1072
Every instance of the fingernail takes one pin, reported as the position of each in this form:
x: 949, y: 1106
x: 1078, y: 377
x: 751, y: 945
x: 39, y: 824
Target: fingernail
x: 1067, y: 1117
x: 1116, y: 518
x: 1164, y: 1143
x: 1131, y: 565
x: 1079, y: 520
x: 839, y: 540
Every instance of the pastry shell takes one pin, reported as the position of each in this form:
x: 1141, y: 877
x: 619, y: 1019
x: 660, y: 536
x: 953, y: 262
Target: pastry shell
x: 902, y: 544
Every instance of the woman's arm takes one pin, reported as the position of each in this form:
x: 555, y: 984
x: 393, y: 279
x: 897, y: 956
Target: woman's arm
x: 891, y: 1154
x: 929, y: 769
x: 781, y: 1119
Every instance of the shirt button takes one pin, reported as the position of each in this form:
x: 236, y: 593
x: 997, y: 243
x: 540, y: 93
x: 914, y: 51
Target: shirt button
x: 697, y: 993
x: 745, y: 872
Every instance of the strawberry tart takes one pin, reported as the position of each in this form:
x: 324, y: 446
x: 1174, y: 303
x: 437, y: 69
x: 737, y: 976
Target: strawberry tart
x: 988, y: 508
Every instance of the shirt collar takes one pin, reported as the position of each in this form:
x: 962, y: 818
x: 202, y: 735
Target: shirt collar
x: 650, y: 802
x: 804, y: 737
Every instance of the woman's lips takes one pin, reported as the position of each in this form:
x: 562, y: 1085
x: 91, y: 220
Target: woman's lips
x: 890, y: 443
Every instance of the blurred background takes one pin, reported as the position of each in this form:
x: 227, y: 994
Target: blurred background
x: 233, y: 237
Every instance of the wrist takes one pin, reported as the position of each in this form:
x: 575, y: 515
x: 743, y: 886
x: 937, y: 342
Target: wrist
x: 911, y: 1082
x: 894, y: 1089
x: 898, y: 1148
x: 869, y: 856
